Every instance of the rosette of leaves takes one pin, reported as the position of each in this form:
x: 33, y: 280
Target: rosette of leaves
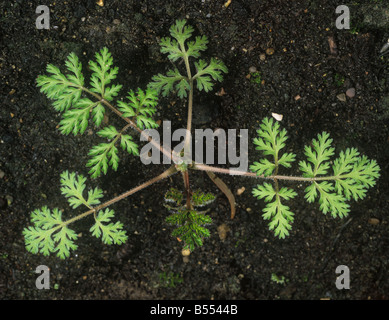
x: 81, y: 104
x: 190, y: 223
x: 178, y: 47
x: 50, y: 233
x: 352, y: 174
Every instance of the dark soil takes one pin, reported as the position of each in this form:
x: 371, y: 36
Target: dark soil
x: 33, y: 153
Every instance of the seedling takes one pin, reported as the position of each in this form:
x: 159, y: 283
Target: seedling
x: 83, y: 104
x: 170, y: 279
x: 277, y: 279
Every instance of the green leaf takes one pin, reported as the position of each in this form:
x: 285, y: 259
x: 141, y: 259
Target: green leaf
x: 65, y: 90
x: 145, y: 122
x: 75, y: 120
x: 112, y: 233
x: 73, y: 188
x: 172, y: 48
x: 108, y: 132
x: 264, y: 166
x: 280, y: 218
x: 126, y: 109
x: 141, y: 106
x: 270, y: 141
x: 103, y: 74
x: 200, y: 199
x: 98, y: 114
x: 194, y: 47
x: 180, y: 31
x: 175, y: 196
x: 279, y: 215
x: 166, y: 83
x: 128, y: 145
x: 330, y: 201
x: 318, y: 156
x: 206, y: 71
x: 103, y: 155
x: 49, y: 234
x: 175, y: 48
x: 190, y: 230
x: 265, y: 192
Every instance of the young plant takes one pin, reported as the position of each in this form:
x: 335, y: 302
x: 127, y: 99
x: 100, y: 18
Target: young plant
x: 352, y: 174
x: 82, y: 105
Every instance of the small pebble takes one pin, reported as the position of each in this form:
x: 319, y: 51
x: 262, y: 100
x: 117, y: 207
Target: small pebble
x: 374, y: 221
x: 185, y: 252
x: 252, y: 69
x: 341, y: 97
x: 350, y: 92
x: 240, y: 191
x: 222, y: 231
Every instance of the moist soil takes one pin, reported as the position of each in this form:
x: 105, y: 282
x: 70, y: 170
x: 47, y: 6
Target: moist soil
x: 305, y: 66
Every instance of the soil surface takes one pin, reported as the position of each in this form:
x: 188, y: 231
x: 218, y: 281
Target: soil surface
x: 291, y: 44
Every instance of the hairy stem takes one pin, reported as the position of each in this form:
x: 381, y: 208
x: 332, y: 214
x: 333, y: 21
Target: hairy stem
x: 172, y: 170
x: 204, y: 167
x: 131, y: 123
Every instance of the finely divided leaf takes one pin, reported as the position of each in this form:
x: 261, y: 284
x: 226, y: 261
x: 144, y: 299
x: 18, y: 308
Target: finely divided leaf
x: 194, y: 47
x: 49, y: 234
x: 103, y: 74
x: 112, y: 233
x: 166, y: 83
x: 270, y: 141
x: 103, y: 155
x: 207, y: 71
x: 141, y: 107
x: 180, y: 31
x: 190, y: 230
x: 318, y: 156
x: 128, y: 145
x: 64, y: 89
x: 75, y: 120
x: 72, y: 188
x: 279, y: 215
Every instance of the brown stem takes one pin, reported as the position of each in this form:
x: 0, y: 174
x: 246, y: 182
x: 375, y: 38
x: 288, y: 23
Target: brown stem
x: 167, y: 173
x: 132, y: 124
x: 227, y: 192
x: 204, y: 167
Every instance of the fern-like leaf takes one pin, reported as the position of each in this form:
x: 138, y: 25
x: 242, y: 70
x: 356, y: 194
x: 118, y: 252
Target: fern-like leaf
x: 141, y: 107
x: 270, y: 141
x: 65, y: 90
x: 49, y: 234
x: 73, y: 188
x: 279, y: 214
x: 112, y: 233
x: 166, y: 84
x: 103, y: 74
x: 206, y: 72
x: 318, y: 156
x: 190, y: 230
x: 352, y: 175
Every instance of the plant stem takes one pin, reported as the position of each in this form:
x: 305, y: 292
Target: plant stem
x: 204, y: 167
x: 131, y: 123
x: 172, y: 170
